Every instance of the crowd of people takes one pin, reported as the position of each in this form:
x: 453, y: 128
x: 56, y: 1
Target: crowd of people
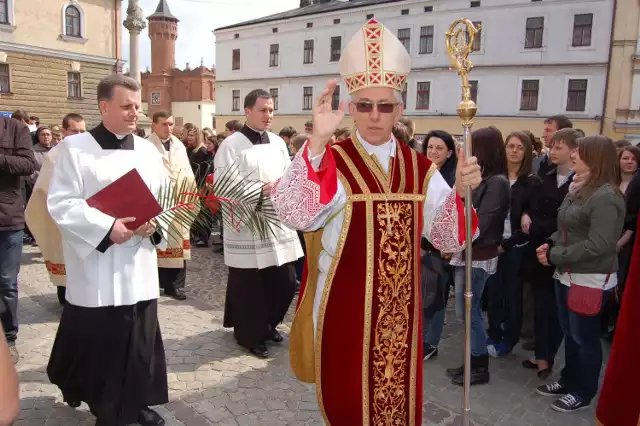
x: 554, y: 225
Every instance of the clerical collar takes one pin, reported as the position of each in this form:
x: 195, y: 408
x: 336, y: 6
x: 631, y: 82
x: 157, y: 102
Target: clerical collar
x: 381, y: 151
x: 256, y: 137
x: 109, y: 140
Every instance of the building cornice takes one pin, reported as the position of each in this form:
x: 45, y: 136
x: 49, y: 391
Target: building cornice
x: 41, y: 51
x: 418, y: 69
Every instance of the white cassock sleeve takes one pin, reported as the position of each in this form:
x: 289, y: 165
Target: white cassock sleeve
x: 81, y: 226
x: 309, y: 194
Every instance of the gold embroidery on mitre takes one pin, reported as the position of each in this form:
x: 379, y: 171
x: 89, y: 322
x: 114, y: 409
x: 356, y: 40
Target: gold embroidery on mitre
x: 392, y: 324
x: 374, y: 74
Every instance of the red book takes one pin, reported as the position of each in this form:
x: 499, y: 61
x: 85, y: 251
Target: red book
x: 128, y: 196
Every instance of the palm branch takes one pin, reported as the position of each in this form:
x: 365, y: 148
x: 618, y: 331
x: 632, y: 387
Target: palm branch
x: 241, y: 200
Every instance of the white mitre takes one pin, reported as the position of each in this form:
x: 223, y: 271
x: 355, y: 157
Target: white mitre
x: 375, y: 58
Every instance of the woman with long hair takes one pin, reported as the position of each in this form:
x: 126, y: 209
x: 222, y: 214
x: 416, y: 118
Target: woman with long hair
x: 440, y: 148
x: 583, y: 252
x: 504, y: 288
x: 491, y: 201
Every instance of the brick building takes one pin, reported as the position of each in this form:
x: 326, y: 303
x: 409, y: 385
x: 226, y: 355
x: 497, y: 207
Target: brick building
x: 190, y: 93
x: 54, y: 52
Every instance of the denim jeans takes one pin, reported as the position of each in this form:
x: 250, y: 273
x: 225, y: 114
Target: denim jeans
x: 504, y: 290
x: 432, y: 332
x: 582, y: 347
x: 10, y: 255
x: 478, y: 280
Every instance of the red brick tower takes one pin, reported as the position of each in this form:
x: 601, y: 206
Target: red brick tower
x: 163, y: 32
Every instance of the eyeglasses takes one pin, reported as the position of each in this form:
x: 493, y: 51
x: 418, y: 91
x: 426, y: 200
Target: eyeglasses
x: 382, y: 107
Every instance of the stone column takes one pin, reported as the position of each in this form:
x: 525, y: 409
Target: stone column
x: 135, y: 23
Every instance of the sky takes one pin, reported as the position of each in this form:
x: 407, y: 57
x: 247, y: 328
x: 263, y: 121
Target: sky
x: 198, y: 19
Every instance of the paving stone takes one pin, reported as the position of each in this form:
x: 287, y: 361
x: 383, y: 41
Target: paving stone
x: 214, y: 382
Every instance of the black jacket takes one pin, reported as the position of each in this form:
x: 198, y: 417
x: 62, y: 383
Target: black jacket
x: 543, y: 210
x: 491, y: 201
x: 522, y: 191
x: 632, y: 196
x: 16, y: 162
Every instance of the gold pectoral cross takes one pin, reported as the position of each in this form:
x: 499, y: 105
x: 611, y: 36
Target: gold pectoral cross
x: 388, y: 215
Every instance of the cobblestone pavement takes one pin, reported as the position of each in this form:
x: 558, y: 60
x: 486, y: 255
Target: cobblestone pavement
x: 213, y: 382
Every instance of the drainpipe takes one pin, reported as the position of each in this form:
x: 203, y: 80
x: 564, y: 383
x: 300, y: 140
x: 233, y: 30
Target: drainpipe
x: 608, y: 74
x: 116, y: 27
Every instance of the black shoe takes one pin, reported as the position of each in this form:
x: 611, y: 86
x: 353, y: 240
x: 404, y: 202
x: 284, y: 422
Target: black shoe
x: 479, y: 372
x: 569, y: 403
x: 552, y: 389
x: 177, y: 294
x: 454, y: 372
x: 529, y: 365
x: 148, y: 417
x: 260, y: 351
x: 275, y: 337
x: 73, y: 404
x: 429, y: 351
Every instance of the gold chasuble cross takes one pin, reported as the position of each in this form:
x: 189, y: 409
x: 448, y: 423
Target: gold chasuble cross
x: 388, y: 215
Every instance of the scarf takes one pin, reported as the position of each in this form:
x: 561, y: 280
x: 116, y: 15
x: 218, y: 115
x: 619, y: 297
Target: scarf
x: 578, y: 182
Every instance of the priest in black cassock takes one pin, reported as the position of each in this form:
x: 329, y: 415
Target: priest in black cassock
x: 108, y: 351
x: 262, y: 276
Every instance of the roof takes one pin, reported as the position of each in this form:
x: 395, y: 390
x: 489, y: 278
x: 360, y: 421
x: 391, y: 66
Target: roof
x: 313, y: 9
x: 163, y: 11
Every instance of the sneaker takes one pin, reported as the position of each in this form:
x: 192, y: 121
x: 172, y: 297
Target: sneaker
x: 498, y: 350
x: 429, y: 351
x: 569, y: 403
x: 552, y: 389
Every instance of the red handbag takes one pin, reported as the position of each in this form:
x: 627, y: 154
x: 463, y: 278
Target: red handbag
x: 584, y: 300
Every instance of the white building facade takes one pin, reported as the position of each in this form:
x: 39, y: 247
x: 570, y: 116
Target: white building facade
x: 533, y: 59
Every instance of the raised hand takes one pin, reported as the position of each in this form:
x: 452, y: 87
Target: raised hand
x: 325, y: 120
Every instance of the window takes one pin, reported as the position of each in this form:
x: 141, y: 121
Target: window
x: 426, y: 39
x: 335, y: 98
x: 336, y: 21
x: 582, y: 25
x: 577, y: 95
x: 533, y: 34
x: 72, y: 21
x: 5, y: 86
x: 404, y: 95
x: 422, y: 95
x: 235, y: 100
x: 404, y: 12
x: 4, y: 11
x: 236, y: 35
x: 274, y: 53
x: 428, y: 8
x: 74, y: 85
x: 274, y: 30
x: 404, y: 35
x: 309, y: 24
x: 308, y: 52
x: 529, y: 95
x: 307, y: 98
x: 370, y: 16
x: 473, y: 88
x: 274, y: 96
x: 336, y: 48
x: 235, y: 59
x: 475, y: 3
x: 477, y: 41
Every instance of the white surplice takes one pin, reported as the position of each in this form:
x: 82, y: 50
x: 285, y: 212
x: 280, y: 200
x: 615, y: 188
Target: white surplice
x: 297, y: 208
x: 261, y: 163
x: 125, y: 274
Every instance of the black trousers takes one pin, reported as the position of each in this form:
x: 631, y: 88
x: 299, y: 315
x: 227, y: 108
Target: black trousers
x: 257, y: 301
x: 548, y: 334
x: 172, y: 279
